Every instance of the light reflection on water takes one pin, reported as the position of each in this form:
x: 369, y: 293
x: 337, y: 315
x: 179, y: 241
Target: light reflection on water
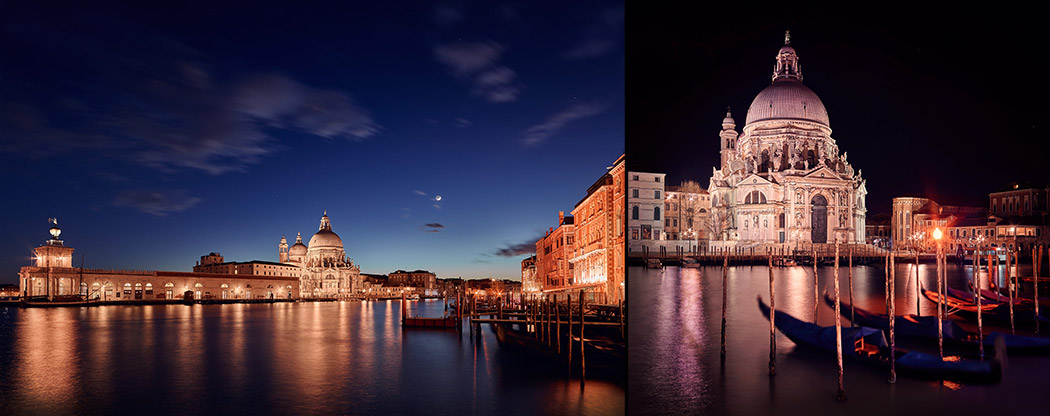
x: 674, y: 363
x: 307, y: 358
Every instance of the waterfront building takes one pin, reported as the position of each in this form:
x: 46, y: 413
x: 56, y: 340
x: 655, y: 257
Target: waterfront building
x: 327, y: 272
x: 322, y: 267
x: 783, y: 178
x: 597, y: 255
x: 418, y: 278
x: 8, y: 290
x: 53, y: 275
x: 1018, y: 202
x: 529, y: 283
x: 213, y: 263
x: 553, y: 252
x: 687, y: 214
x: 913, y: 220
x: 878, y: 231
x: 645, y: 219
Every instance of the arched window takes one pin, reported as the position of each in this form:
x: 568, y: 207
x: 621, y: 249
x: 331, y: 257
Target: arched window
x: 755, y: 197
x: 656, y: 213
x: 634, y: 212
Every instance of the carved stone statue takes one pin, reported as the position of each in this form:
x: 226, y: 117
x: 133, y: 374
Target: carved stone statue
x: 777, y: 156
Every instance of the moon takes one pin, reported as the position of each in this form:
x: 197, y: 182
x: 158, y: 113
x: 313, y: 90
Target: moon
x: 437, y: 198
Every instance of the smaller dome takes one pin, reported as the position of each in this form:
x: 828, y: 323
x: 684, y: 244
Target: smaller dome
x: 786, y: 49
x: 297, y: 249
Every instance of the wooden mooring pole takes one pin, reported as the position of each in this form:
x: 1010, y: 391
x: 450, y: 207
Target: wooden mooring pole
x: 725, y: 272
x: 838, y: 326
x: 583, y: 360
x: 893, y: 317
x: 772, y: 315
x: 918, y: 296
x: 852, y: 317
x: 977, y: 299
x: 557, y: 325
x: 568, y: 307
x: 816, y: 289
x: 1010, y: 290
x: 940, y: 298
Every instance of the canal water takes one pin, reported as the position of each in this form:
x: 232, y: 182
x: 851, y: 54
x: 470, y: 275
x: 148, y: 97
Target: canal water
x: 285, y: 358
x: 674, y: 363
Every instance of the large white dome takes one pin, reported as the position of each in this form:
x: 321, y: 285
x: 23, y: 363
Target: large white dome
x: 787, y: 99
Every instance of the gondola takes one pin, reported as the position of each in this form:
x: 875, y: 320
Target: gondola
x: 1044, y: 302
x: 925, y: 328
x: 868, y: 345
x: 999, y: 313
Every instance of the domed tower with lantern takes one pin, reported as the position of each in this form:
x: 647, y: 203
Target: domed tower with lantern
x: 783, y: 179
x: 52, y: 271
x: 327, y: 271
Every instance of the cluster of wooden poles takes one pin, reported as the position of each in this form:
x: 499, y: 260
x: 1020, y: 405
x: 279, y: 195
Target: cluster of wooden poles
x: 542, y: 317
x: 890, y: 273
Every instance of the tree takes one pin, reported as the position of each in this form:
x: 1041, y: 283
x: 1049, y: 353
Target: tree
x: 689, y: 211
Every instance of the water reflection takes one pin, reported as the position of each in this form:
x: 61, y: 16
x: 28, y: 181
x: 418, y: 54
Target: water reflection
x: 674, y: 363
x: 308, y: 358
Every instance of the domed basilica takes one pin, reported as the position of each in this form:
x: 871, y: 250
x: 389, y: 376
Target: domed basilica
x: 326, y: 270
x: 783, y: 179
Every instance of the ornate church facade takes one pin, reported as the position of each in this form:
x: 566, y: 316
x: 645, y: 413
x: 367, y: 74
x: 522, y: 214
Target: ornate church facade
x: 326, y: 269
x: 783, y: 178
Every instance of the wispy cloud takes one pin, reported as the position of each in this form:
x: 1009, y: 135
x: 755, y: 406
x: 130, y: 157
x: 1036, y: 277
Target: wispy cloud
x: 541, y: 132
x: 523, y: 248
x: 156, y: 102
x: 418, y: 192
x: 478, y: 62
x: 159, y: 203
x: 433, y: 227
x: 462, y: 122
x: 600, y: 37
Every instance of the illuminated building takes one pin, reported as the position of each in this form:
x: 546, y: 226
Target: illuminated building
x: 783, y: 179
x: 53, y: 275
x: 686, y: 215
x: 597, y: 254
x: 645, y: 216
x: 553, y: 251
x: 529, y: 283
x: 322, y: 267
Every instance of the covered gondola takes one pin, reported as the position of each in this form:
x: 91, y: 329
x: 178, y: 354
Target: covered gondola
x: 925, y: 328
x: 868, y: 345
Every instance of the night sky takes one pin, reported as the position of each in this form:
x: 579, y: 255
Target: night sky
x: 943, y: 103
x: 158, y: 134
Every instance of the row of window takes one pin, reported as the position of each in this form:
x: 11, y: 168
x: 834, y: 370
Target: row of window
x: 635, y: 178
x: 656, y: 194
x: 656, y: 213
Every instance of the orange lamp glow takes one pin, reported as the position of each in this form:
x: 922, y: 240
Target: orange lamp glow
x: 937, y: 234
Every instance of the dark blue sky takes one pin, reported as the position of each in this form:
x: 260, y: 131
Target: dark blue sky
x: 157, y: 134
